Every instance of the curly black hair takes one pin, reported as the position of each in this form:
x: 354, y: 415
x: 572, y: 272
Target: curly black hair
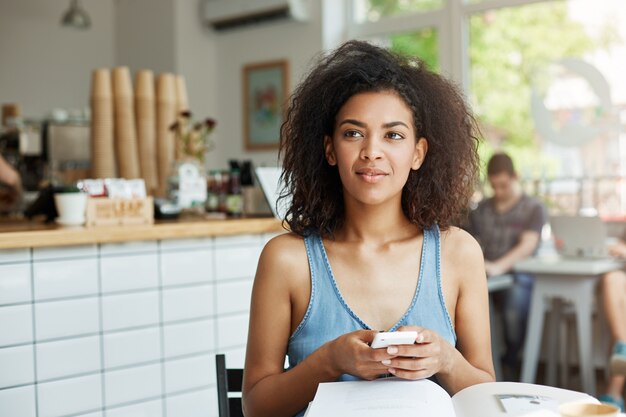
x: 434, y: 194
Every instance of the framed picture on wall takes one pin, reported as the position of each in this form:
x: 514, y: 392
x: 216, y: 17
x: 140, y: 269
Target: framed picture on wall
x: 265, y: 91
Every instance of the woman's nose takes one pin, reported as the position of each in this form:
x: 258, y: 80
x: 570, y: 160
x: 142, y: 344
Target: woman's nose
x: 371, y: 149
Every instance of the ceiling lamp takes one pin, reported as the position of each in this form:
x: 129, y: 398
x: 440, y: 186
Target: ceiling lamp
x: 76, y: 17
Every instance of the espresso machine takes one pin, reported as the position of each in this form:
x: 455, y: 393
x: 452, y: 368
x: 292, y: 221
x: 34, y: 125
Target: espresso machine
x: 46, y: 153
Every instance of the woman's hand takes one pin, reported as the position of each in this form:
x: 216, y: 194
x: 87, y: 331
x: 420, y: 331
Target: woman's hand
x: 352, y: 354
x: 430, y: 355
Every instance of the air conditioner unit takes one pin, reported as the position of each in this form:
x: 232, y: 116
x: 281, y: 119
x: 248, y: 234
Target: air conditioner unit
x: 227, y: 14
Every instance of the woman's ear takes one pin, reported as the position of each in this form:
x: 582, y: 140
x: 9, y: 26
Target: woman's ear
x: 421, y: 148
x: 329, y: 151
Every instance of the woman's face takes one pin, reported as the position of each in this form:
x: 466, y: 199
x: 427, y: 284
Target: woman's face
x: 374, y: 147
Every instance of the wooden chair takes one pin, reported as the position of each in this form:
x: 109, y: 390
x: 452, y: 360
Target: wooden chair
x: 228, y: 381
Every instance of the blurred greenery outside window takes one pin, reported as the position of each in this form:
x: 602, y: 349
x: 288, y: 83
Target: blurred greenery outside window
x: 537, y: 77
x: 422, y: 43
x: 374, y: 10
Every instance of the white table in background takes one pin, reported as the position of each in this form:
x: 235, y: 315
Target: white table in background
x: 563, y: 279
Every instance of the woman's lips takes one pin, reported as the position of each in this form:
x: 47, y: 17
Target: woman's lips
x: 371, y: 175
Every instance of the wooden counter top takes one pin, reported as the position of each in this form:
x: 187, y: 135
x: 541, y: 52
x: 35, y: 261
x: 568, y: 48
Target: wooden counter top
x: 18, y: 234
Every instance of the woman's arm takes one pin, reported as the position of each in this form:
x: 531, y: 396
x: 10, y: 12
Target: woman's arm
x: 282, y: 282
x: 470, y: 363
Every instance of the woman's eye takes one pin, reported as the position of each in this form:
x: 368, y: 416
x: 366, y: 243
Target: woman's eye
x: 394, y: 136
x: 353, y: 134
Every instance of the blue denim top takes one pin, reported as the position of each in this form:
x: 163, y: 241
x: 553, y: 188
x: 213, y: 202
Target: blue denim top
x: 328, y: 316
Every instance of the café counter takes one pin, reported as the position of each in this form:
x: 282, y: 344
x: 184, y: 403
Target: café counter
x: 16, y: 234
x: 123, y: 320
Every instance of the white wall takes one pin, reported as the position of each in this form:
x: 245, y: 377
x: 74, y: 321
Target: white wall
x: 196, y: 57
x: 144, y: 34
x: 298, y: 42
x: 43, y: 65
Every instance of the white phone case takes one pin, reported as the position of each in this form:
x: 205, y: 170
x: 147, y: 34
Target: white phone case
x: 384, y: 339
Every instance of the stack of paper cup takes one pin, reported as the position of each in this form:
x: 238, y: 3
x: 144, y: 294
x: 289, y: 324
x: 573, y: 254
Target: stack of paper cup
x: 146, y: 128
x: 166, y: 116
x: 102, y: 148
x: 182, y: 103
x: 125, y: 133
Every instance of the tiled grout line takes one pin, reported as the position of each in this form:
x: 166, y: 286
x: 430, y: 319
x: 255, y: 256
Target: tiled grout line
x: 161, y: 329
x: 34, y: 324
x: 101, y: 333
x: 214, y: 279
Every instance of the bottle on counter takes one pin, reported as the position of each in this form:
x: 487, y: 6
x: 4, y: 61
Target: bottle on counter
x: 234, y: 201
x: 214, y: 183
x: 224, y: 191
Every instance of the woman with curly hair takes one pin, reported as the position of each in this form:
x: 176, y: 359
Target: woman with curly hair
x: 379, y: 158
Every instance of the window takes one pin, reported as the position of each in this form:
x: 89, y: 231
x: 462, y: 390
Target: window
x: 374, y: 10
x: 544, y: 81
x: 422, y: 43
x: 544, y: 78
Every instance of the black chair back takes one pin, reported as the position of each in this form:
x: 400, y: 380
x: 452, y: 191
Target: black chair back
x: 228, y: 381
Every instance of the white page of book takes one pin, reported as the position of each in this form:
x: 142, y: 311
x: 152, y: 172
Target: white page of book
x: 382, y: 397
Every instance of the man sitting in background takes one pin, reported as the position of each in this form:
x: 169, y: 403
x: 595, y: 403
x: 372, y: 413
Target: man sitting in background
x: 508, y: 228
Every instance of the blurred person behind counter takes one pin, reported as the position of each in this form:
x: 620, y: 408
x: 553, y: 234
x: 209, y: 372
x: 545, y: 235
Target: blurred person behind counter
x: 10, y: 187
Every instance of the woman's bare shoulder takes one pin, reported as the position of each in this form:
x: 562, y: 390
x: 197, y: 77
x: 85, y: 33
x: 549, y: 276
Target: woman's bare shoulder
x: 285, y: 253
x: 460, y: 248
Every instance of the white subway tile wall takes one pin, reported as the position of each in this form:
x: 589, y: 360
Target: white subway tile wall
x: 18, y: 401
x: 194, y: 404
x: 132, y: 384
x: 17, y: 366
x: 123, y: 311
x: 68, y: 278
x: 76, y: 317
x: 231, y: 330
x: 14, y: 255
x: 123, y: 330
x: 182, y: 267
x: 182, y: 374
x: 134, y: 346
x: 234, y: 296
x: 68, y: 357
x: 143, y: 409
x: 69, y: 396
x: 15, y: 283
x: 133, y: 272
x: 187, y: 303
x: 16, y: 323
x: 189, y: 338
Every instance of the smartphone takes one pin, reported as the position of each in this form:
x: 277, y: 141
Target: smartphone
x: 384, y: 339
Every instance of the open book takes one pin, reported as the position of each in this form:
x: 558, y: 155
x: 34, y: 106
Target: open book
x: 402, y: 398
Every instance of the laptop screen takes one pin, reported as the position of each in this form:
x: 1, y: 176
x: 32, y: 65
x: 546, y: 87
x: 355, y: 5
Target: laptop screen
x: 579, y: 236
x: 269, y: 179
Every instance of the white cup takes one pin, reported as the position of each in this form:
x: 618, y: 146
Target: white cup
x: 71, y: 208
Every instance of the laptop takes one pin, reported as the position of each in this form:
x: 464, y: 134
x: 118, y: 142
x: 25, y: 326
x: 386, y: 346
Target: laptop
x: 581, y: 237
x: 269, y: 180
